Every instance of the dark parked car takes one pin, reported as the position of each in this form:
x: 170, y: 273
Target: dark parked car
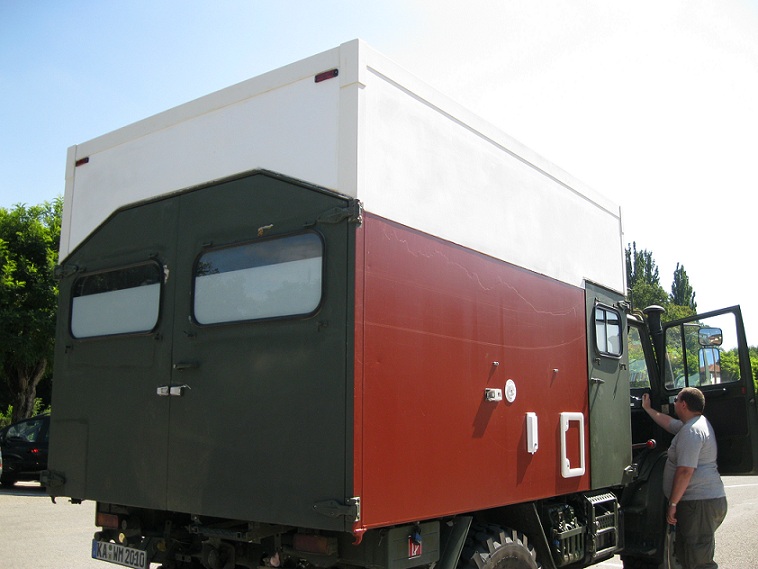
x: 24, y: 449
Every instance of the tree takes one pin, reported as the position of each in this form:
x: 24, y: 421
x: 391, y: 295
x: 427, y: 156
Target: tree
x: 643, y: 281
x: 681, y: 290
x: 730, y: 363
x: 29, y: 239
x: 644, y: 286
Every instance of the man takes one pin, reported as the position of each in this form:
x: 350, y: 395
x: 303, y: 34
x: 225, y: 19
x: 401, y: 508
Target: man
x: 691, y: 481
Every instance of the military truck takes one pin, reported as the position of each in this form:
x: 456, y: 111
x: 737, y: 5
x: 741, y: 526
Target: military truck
x: 328, y: 318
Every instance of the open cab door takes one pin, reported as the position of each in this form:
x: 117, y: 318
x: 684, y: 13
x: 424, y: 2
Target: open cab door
x: 709, y: 351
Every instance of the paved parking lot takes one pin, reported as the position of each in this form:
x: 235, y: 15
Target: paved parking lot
x: 37, y: 534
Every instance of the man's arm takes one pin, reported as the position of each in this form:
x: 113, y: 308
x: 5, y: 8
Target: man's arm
x: 682, y: 478
x: 663, y: 420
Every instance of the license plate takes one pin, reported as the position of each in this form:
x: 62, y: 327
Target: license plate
x: 119, y: 554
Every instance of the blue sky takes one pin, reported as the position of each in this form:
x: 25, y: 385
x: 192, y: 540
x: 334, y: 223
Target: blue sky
x: 651, y: 103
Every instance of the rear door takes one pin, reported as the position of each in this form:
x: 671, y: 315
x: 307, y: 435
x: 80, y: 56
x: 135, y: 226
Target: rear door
x: 258, y: 390
x: 113, y: 348
x: 202, y: 355
x: 709, y: 351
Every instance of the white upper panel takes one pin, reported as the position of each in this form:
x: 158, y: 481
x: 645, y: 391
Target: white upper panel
x: 376, y: 133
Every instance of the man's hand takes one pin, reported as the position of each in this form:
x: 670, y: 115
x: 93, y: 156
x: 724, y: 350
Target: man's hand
x: 682, y: 477
x: 661, y: 419
x: 646, y: 402
x: 671, y: 514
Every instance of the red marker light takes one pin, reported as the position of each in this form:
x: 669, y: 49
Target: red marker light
x: 107, y: 520
x: 327, y: 75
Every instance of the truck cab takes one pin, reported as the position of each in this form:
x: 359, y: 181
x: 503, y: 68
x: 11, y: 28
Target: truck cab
x: 708, y: 351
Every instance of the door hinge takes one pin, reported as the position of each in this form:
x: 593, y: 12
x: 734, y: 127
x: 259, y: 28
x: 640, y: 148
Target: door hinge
x: 61, y: 272
x: 353, y: 213
x: 333, y: 509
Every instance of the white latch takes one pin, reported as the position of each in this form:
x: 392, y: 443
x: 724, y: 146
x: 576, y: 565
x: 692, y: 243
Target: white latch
x: 532, y: 434
x: 177, y: 390
x: 171, y: 390
x: 493, y: 394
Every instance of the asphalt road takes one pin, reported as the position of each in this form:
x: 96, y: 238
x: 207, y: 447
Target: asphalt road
x: 736, y: 546
x: 37, y: 534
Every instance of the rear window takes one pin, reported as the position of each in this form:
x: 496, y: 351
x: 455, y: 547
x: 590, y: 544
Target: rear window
x: 275, y: 278
x: 119, y: 301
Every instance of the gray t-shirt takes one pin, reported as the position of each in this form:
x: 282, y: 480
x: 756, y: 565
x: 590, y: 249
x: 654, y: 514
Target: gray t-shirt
x: 694, y: 445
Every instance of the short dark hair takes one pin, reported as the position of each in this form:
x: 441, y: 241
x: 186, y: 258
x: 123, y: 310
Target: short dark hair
x: 694, y: 399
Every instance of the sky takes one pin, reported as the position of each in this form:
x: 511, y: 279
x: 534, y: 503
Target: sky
x: 652, y: 103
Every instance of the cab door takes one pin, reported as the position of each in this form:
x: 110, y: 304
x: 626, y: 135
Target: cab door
x: 259, y: 393
x: 709, y: 351
x: 610, y: 430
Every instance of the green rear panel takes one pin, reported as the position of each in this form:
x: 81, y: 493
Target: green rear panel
x: 261, y: 429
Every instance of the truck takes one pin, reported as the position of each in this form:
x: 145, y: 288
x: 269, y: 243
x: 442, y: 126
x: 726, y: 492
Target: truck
x: 329, y: 318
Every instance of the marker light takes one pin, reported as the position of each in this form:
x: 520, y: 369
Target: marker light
x: 327, y: 75
x: 104, y: 520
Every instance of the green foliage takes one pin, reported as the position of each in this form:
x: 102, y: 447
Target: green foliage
x: 730, y: 363
x: 644, y: 289
x: 29, y: 239
x: 38, y: 409
x: 676, y: 311
x: 682, y: 293
x: 642, y: 279
x: 644, y: 286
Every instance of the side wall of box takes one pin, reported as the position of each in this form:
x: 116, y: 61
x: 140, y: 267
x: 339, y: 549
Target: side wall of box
x: 436, y: 326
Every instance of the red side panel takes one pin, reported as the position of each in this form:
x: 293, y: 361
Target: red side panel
x: 432, y: 320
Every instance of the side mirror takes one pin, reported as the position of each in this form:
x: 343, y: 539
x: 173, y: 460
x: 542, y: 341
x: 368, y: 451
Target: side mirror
x: 710, y: 337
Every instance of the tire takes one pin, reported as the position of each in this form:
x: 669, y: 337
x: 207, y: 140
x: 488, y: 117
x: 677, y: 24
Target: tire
x: 495, y: 547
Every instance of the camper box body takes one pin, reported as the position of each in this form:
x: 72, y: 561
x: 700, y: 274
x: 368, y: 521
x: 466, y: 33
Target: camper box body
x: 329, y: 297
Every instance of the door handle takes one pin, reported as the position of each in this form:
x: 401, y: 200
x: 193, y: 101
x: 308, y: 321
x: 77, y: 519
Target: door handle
x: 181, y: 366
x: 177, y: 390
x: 171, y: 390
x: 597, y: 380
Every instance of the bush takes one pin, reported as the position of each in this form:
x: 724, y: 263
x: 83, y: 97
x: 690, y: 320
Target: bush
x: 39, y: 408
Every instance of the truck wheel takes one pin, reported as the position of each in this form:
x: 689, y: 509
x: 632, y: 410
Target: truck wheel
x: 494, y: 547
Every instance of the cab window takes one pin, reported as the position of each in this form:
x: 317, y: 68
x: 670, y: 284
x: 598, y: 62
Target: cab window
x: 275, y: 278
x: 639, y: 375
x: 702, y: 353
x: 608, y: 331
x: 120, y: 301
